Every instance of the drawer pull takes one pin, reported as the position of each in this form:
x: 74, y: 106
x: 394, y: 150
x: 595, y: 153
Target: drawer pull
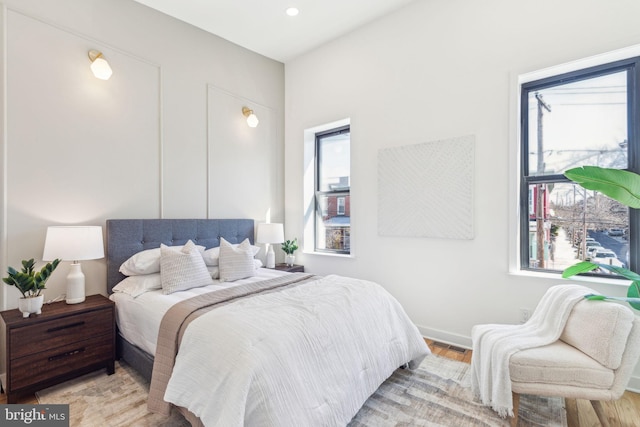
x: 71, y: 325
x: 66, y: 354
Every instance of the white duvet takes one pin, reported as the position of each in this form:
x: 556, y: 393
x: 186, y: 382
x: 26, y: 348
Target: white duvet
x: 309, y: 355
x: 139, y: 317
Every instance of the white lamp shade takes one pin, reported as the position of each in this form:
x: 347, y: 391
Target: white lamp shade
x: 270, y: 233
x: 101, y: 69
x: 73, y: 243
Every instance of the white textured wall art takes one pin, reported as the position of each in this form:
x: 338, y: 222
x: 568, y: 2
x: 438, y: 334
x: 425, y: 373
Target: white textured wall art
x: 426, y: 190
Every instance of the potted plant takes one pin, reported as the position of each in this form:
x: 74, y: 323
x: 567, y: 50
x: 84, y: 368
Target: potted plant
x: 624, y: 187
x: 30, y: 283
x: 289, y: 247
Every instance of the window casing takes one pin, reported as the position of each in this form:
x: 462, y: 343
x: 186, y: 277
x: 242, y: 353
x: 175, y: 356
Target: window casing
x: 586, y: 117
x: 332, y: 191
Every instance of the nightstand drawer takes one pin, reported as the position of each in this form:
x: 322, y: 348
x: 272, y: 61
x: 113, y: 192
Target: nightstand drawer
x: 51, y: 363
x: 40, y: 337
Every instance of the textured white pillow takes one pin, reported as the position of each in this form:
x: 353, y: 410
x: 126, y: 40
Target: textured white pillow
x: 147, y: 261
x: 236, y: 261
x: 138, y: 285
x: 183, y: 269
x: 215, y: 271
x: 212, y: 256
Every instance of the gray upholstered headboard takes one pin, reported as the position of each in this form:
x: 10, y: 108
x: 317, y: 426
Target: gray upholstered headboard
x: 126, y: 237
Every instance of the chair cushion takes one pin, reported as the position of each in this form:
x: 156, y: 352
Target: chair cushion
x: 599, y: 329
x: 559, y: 364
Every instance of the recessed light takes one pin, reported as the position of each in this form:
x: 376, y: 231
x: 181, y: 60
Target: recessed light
x: 292, y: 11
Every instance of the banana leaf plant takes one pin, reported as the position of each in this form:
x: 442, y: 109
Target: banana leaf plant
x: 624, y: 187
x: 30, y: 282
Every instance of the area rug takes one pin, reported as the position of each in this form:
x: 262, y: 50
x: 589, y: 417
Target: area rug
x: 438, y: 393
x: 101, y: 400
x: 435, y: 394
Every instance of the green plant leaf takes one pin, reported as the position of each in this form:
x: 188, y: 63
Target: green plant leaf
x: 634, y: 292
x: 43, y: 275
x: 581, y: 267
x: 620, y: 185
x: 593, y: 297
x: 627, y: 274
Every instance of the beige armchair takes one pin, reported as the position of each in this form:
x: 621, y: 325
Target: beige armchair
x: 593, y: 359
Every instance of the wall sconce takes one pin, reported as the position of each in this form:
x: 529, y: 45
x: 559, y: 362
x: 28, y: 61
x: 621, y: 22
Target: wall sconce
x: 252, y: 119
x: 99, y: 66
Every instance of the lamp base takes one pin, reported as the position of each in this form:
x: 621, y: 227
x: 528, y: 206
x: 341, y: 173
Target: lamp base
x: 271, y: 258
x: 75, y: 284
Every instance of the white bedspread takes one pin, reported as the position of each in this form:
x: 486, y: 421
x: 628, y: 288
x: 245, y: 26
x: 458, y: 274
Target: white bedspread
x: 309, y: 355
x: 139, y: 318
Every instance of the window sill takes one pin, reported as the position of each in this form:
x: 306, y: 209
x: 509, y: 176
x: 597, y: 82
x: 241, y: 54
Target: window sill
x: 329, y: 254
x: 579, y: 279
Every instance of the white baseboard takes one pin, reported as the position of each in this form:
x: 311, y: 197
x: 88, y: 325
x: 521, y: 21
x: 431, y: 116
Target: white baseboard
x: 634, y: 385
x: 465, y: 342
x: 445, y: 337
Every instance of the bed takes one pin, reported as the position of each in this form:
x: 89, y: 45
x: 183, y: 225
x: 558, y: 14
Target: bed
x: 271, y: 349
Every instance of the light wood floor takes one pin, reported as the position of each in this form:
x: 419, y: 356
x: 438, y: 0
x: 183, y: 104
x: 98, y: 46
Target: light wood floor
x: 624, y: 412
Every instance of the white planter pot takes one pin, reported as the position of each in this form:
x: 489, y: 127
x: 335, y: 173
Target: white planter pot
x: 289, y: 260
x: 30, y: 305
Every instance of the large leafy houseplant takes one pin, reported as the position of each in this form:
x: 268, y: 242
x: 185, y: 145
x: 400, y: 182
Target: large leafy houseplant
x: 30, y: 282
x: 624, y: 187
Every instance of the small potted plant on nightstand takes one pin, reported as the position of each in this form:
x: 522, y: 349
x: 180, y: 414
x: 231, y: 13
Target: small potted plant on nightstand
x: 289, y: 247
x: 30, y: 283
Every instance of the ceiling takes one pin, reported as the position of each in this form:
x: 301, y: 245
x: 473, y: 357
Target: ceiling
x: 263, y: 26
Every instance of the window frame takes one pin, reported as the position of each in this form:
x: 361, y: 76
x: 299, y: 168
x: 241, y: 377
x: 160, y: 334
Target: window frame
x: 632, y: 66
x: 328, y: 193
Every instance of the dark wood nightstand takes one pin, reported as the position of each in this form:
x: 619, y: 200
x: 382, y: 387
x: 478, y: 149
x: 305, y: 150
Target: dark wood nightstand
x: 293, y: 269
x: 65, y: 341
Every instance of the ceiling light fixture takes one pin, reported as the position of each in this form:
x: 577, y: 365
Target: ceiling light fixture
x: 99, y: 66
x: 292, y: 11
x: 252, y: 119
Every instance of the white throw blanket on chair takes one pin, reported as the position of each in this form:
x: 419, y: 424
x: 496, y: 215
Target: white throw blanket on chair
x: 493, y: 345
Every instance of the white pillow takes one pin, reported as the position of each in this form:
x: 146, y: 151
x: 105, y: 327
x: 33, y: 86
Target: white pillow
x: 138, y: 285
x: 212, y: 256
x: 147, y: 261
x: 183, y: 269
x: 236, y: 261
x: 215, y: 271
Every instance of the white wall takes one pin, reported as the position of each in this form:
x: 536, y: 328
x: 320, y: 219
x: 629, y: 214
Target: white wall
x: 434, y: 70
x: 151, y: 142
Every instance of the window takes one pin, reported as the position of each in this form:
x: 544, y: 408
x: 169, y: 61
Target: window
x: 341, y: 205
x: 332, y: 191
x: 585, y: 117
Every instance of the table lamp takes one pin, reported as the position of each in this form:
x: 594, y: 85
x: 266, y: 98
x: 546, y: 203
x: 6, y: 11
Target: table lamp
x: 74, y: 243
x: 270, y: 233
